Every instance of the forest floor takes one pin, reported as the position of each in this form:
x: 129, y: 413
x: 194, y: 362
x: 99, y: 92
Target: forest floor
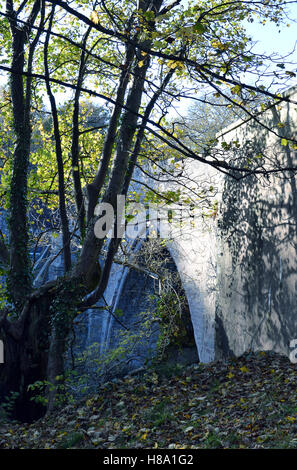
x: 248, y: 402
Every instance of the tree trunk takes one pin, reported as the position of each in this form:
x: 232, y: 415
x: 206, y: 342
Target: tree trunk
x: 55, y: 368
x: 26, y: 359
x: 35, y: 344
x: 19, y: 274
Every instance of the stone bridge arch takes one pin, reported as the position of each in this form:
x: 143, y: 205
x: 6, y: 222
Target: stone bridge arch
x: 195, y: 259
x: 240, y: 297
x: 132, y: 291
x: 194, y: 246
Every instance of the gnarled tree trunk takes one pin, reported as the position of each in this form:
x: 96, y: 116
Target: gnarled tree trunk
x: 26, y: 346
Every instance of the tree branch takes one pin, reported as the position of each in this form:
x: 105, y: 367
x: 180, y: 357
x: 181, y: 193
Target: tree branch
x: 59, y: 155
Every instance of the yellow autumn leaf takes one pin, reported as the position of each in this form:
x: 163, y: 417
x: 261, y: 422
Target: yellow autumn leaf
x: 230, y: 375
x: 94, y: 17
x: 173, y: 64
x: 219, y: 45
x: 244, y: 369
x: 144, y: 436
x: 141, y: 63
x: 215, y: 43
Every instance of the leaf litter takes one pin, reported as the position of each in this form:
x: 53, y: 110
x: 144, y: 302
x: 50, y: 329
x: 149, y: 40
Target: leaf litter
x: 245, y: 402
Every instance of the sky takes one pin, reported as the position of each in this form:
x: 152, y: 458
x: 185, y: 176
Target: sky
x: 273, y: 39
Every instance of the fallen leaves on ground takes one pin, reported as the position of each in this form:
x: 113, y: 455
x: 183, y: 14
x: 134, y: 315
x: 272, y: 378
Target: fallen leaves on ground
x: 248, y: 402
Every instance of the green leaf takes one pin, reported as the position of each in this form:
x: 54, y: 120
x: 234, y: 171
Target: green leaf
x: 199, y: 28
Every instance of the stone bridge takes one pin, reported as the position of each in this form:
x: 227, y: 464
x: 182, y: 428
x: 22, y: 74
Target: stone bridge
x: 235, y: 251
x: 237, y: 261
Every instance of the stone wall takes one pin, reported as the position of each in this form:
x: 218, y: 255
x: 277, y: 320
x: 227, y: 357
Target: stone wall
x: 257, y: 261
x: 239, y: 266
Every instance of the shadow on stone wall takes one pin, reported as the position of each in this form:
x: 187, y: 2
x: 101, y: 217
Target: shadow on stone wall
x: 257, y: 284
